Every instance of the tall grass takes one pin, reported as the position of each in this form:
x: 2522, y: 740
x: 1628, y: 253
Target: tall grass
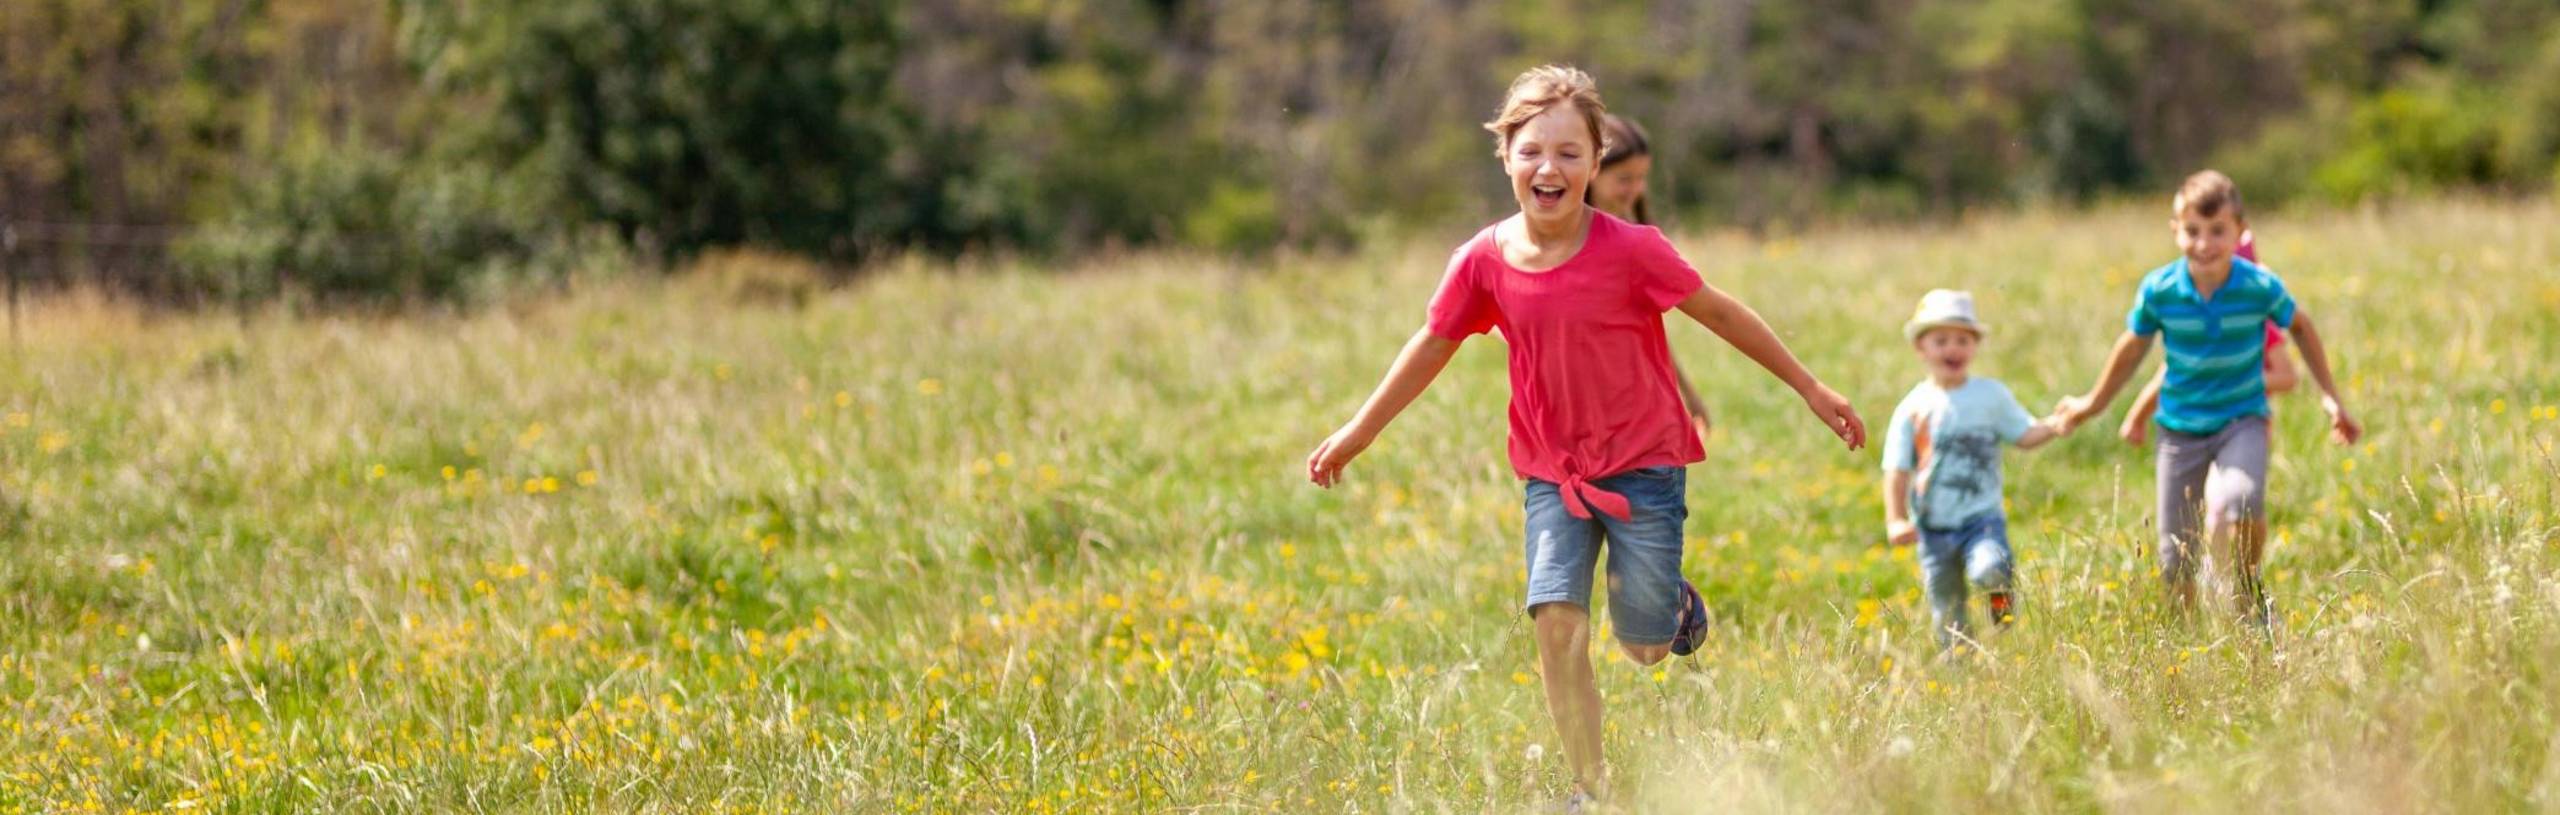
x: 1005, y: 540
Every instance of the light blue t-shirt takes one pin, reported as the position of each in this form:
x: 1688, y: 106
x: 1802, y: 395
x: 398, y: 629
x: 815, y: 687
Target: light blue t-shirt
x: 1950, y: 440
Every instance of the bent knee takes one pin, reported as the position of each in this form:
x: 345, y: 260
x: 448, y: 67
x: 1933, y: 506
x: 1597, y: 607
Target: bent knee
x: 1560, y: 623
x: 1646, y: 654
x: 1560, y: 614
x: 2236, y: 501
x: 1989, y: 575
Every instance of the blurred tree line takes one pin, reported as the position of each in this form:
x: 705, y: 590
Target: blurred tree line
x: 422, y: 148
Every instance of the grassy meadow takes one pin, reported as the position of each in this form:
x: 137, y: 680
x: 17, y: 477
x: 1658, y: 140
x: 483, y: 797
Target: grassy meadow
x: 1012, y: 540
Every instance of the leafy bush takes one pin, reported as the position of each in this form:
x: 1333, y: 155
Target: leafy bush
x: 688, y: 124
x: 2281, y: 161
x: 1236, y: 216
x: 351, y: 224
x: 2412, y: 139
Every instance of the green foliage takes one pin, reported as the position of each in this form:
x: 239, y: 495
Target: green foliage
x: 694, y: 123
x: 135, y: 117
x: 2466, y: 102
x: 852, y: 131
x: 2280, y: 163
x: 1236, y: 216
x: 351, y: 224
x: 2529, y: 131
x: 2412, y: 139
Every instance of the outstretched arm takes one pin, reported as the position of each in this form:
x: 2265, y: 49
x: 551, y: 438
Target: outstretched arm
x: 1415, y: 367
x: 2280, y: 374
x: 1741, y: 327
x: 1897, y: 509
x: 2315, y: 356
x: 2137, y: 419
x: 2121, y: 362
x: 2044, y: 430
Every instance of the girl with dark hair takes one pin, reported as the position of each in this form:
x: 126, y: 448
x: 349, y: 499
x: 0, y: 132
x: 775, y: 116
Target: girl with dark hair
x: 1619, y: 190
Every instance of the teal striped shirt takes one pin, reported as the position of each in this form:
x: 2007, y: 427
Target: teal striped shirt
x: 2217, y: 347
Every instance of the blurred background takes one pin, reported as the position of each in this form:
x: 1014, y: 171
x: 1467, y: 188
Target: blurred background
x: 403, y: 150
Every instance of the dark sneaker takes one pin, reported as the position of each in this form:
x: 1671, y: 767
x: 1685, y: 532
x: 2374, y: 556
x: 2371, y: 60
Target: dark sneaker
x: 2260, y: 609
x: 1692, y: 631
x: 2003, y: 608
x: 1579, y: 803
x: 2260, y: 615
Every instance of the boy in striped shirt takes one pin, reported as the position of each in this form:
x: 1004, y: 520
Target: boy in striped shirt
x: 2207, y: 308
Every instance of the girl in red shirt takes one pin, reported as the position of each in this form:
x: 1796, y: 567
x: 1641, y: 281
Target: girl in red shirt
x: 1597, y: 426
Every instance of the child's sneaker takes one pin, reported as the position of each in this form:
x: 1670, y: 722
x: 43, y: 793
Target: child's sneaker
x: 2260, y: 612
x: 1692, y: 630
x: 1578, y: 803
x: 2260, y: 615
x: 2003, y: 611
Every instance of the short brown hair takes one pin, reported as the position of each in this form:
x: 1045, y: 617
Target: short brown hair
x: 2205, y: 194
x: 1542, y: 88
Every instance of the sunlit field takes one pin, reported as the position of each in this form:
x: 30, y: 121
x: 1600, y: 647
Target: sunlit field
x: 1005, y: 539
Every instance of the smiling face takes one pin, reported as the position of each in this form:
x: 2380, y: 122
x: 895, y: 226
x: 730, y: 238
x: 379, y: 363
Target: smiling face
x: 2207, y: 241
x: 1616, y: 190
x: 1947, y: 351
x: 1550, y: 160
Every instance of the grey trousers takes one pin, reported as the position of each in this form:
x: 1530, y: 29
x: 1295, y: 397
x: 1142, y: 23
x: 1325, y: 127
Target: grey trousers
x: 2221, y: 475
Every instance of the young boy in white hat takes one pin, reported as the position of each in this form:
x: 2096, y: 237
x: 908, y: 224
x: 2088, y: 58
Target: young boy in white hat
x: 1942, y: 466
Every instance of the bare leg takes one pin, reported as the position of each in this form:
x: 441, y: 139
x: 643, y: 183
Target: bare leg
x: 1646, y: 654
x: 2182, y: 582
x: 2236, y: 515
x: 2232, y: 567
x: 2182, y: 595
x: 1573, y: 698
x: 2221, y: 578
x: 2250, y: 541
x: 2184, y: 463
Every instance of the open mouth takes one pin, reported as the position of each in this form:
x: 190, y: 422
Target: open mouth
x: 1548, y: 195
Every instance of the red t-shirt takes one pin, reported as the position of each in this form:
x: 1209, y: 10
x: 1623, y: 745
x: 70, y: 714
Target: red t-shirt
x: 1592, y: 388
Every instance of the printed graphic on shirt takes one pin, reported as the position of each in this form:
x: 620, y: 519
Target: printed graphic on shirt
x: 1949, y: 439
x: 1961, y: 468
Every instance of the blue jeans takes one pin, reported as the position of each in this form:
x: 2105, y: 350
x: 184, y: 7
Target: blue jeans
x: 1974, y: 554
x: 1644, y: 551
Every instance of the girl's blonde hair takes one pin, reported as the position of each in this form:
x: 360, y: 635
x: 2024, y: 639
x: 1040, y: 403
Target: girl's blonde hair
x: 1539, y: 90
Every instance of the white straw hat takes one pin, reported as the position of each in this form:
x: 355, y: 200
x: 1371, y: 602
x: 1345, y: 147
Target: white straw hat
x: 1944, y: 308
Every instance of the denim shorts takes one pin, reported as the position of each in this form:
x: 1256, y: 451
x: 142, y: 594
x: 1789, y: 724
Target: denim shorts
x: 1973, y: 555
x: 1644, y: 551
